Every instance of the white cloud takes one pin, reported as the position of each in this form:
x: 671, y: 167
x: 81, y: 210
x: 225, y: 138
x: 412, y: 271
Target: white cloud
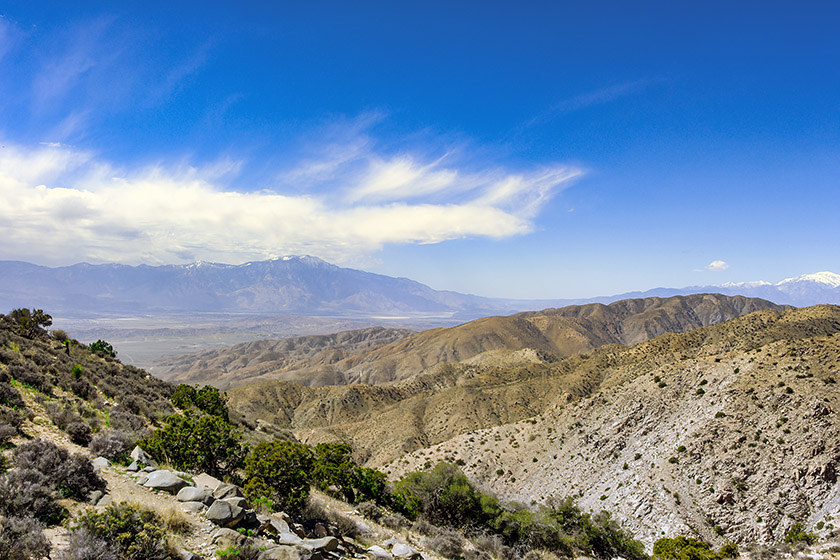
x: 63, y: 206
x: 717, y: 266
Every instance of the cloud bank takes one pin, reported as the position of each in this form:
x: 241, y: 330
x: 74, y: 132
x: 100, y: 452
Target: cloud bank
x: 63, y: 205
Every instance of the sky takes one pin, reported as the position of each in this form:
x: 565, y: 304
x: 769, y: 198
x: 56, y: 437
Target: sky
x: 507, y: 149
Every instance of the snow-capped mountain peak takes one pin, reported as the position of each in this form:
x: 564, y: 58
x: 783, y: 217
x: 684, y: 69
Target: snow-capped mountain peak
x: 826, y: 278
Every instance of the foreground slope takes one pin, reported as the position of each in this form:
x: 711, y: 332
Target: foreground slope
x: 726, y: 432
x: 554, y: 332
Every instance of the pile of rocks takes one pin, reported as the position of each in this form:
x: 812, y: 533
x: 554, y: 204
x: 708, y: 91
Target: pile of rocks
x: 276, y: 535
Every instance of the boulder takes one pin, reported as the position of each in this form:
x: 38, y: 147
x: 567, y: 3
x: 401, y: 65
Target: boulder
x: 105, y: 501
x: 165, y: 480
x: 238, y: 501
x: 326, y: 544
x: 142, y: 457
x: 400, y: 550
x: 273, y: 524
x: 94, y: 496
x: 204, y: 480
x: 224, y: 514
x: 228, y: 536
x: 100, y: 463
x: 225, y: 490
x: 133, y: 467
x: 142, y: 480
x: 193, y: 507
x: 288, y: 539
x: 379, y: 553
x: 286, y: 553
x: 193, y: 494
x: 149, y: 469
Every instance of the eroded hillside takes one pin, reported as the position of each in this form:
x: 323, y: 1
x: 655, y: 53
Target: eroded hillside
x: 726, y: 432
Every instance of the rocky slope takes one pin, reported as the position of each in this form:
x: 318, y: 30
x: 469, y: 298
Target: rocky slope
x: 554, y: 332
x: 725, y: 432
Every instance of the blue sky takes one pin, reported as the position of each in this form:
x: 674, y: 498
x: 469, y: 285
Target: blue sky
x: 528, y: 149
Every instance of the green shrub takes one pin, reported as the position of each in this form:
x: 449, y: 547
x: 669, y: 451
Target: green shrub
x: 102, y: 348
x: 134, y: 532
x: 208, y: 399
x: 683, y: 548
x: 30, y: 323
x: 443, y: 496
x: 729, y: 550
x: 197, y: 442
x: 797, y: 534
x: 333, y: 465
x: 371, y: 484
x: 280, y: 471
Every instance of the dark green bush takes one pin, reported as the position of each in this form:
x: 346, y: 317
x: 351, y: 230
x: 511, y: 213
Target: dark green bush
x: 443, y: 496
x: 683, y: 548
x: 102, y: 348
x: 797, y: 534
x: 30, y: 323
x: 280, y: 471
x: 333, y: 465
x: 208, y: 399
x: 137, y: 534
x: 22, y: 538
x: 197, y: 442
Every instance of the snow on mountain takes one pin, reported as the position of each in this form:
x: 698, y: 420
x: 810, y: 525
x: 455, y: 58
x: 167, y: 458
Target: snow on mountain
x: 828, y: 278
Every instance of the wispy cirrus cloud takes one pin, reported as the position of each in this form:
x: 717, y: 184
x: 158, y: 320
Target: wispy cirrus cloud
x: 64, y: 205
x: 589, y: 99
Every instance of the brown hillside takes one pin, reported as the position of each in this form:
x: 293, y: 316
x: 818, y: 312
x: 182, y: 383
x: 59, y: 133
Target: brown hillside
x: 558, y: 332
x: 384, y: 421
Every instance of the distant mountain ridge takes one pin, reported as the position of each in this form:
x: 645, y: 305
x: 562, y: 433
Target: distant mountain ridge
x: 306, y: 285
x: 800, y: 291
x: 298, y: 284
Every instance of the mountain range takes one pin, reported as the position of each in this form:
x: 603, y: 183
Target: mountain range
x: 378, y: 355
x: 304, y: 285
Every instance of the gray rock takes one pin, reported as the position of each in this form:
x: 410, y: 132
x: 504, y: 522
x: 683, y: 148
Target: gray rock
x: 193, y: 507
x: 193, y: 494
x: 227, y: 491
x: 105, y: 501
x: 225, y: 514
x: 325, y: 544
x: 149, y: 469
x: 286, y: 553
x: 133, y: 467
x: 400, y: 550
x: 238, y: 501
x: 273, y: 524
x: 187, y: 555
x: 94, y: 496
x: 142, y: 457
x: 379, y: 553
x: 206, y: 481
x: 165, y: 480
x: 288, y: 539
x: 101, y: 463
x: 230, y: 536
x: 142, y: 480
